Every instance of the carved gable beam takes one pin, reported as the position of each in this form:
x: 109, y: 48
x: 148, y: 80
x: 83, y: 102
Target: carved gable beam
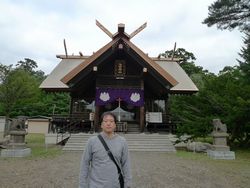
x: 121, y: 30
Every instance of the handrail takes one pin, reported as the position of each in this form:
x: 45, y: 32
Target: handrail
x: 69, y: 127
x: 65, y: 129
x: 121, y: 127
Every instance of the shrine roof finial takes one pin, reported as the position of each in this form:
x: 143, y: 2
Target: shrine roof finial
x: 121, y: 30
x: 121, y: 27
x: 104, y: 29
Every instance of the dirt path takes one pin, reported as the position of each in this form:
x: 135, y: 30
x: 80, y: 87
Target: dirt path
x: 150, y: 170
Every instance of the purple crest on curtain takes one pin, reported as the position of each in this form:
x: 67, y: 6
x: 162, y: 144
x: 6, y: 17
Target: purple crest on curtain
x: 105, y: 96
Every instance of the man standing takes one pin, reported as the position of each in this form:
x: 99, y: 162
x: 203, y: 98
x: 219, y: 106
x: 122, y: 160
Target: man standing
x: 97, y: 168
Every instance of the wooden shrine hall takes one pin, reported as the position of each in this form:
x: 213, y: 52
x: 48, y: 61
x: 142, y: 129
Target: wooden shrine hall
x: 121, y: 78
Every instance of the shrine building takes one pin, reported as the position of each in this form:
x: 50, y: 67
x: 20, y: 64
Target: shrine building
x: 121, y: 78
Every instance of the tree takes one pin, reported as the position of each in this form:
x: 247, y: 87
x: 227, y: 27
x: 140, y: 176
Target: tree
x: 180, y: 53
x: 229, y: 14
x: 186, y: 60
x: 187, y: 63
x: 223, y: 96
x: 4, y: 71
x: 45, y: 105
x: 193, y: 120
x: 232, y: 96
x: 20, y: 93
x: 18, y: 87
x: 195, y: 112
x: 30, y: 65
x: 233, y: 82
x: 245, y: 62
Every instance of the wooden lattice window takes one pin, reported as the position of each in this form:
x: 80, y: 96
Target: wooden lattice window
x: 120, y: 68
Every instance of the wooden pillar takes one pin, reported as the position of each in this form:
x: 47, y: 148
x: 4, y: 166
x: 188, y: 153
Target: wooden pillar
x: 167, y: 105
x: 96, y: 120
x: 142, y: 110
x: 137, y: 115
x: 142, y: 122
x: 168, y: 115
x: 71, y: 105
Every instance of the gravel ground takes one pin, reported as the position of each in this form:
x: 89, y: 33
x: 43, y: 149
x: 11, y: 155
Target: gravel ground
x: 149, y: 170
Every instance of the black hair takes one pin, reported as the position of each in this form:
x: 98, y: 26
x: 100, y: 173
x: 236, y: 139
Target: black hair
x: 108, y: 113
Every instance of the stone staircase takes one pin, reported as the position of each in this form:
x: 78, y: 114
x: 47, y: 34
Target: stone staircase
x: 133, y: 128
x: 136, y: 142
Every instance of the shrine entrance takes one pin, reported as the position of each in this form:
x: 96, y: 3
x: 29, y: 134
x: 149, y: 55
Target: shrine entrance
x: 124, y: 103
x: 122, y: 111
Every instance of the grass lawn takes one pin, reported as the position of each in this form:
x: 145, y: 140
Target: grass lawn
x: 240, y: 155
x: 240, y: 164
x: 38, y: 147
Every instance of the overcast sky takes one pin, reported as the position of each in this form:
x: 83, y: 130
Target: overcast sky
x: 36, y: 29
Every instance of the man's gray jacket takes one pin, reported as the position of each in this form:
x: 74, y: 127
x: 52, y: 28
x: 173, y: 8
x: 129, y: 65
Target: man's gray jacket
x: 98, y: 170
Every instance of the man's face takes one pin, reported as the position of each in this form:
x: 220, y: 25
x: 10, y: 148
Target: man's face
x: 108, y: 124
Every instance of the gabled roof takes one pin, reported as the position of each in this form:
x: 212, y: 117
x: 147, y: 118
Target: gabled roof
x: 53, y: 81
x: 185, y: 84
x: 164, y: 73
x: 71, y: 67
x: 71, y: 74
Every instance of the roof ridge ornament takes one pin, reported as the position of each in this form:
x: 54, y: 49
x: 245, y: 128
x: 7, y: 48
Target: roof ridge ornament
x: 65, y: 48
x: 173, y: 51
x: 104, y: 29
x: 138, y: 30
x: 121, y: 29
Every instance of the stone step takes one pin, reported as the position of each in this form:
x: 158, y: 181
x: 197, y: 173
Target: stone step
x: 128, y: 141
x: 131, y: 137
x: 136, y: 142
x: 129, y: 145
x: 125, y: 135
x: 130, y: 149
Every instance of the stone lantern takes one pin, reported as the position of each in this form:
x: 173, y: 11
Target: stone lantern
x: 16, y: 146
x: 220, y: 149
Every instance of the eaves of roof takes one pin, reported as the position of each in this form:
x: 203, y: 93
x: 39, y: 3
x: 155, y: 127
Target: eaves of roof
x: 87, y: 62
x: 68, y: 77
x: 152, y: 63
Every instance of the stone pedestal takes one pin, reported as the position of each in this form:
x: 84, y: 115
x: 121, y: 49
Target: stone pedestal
x: 2, y: 127
x: 219, y: 138
x: 16, y: 147
x: 221, y: 154
x: 16, y: 152
x: 17, y: 139
x: 219, y: 149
